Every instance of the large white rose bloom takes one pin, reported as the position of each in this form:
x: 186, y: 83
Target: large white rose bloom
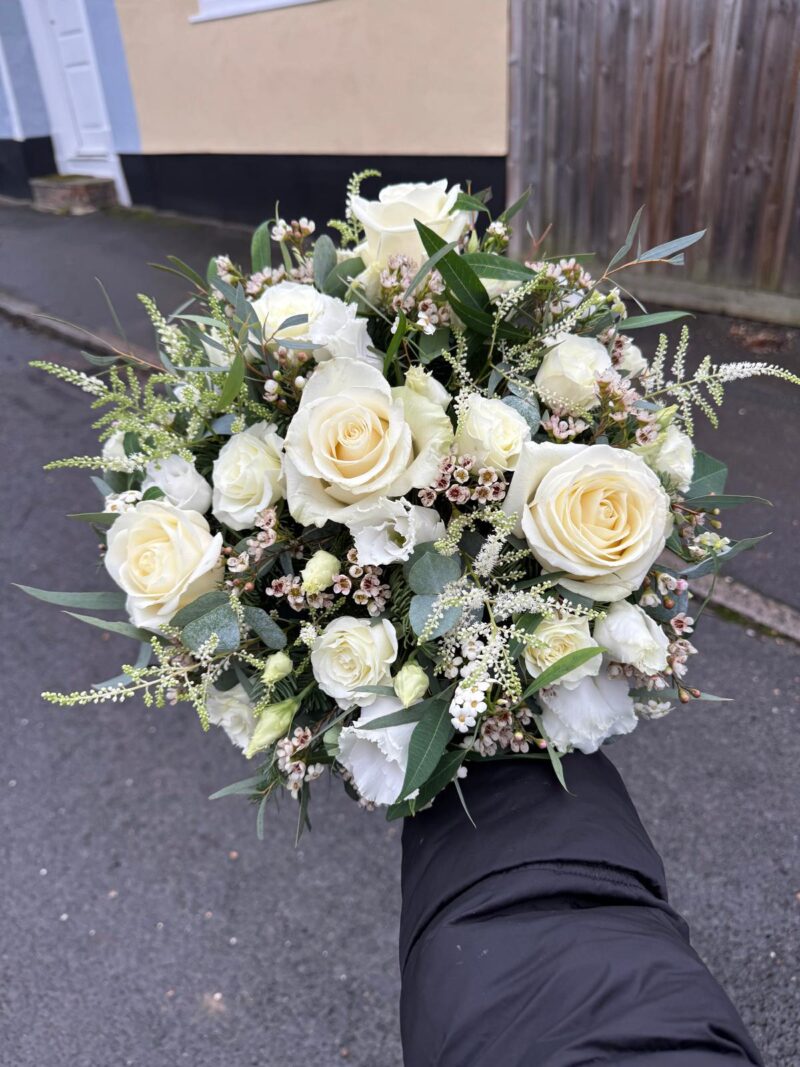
x: 164, y: 558
x: 377, y: 759
x: 247, y: 475
x: 492, y: 432
x: 332, y: 325
x: 588, y: 714
x: 560, y: 637
x: 354, y: 439
x: 350, y: 653
x: 389, y: 221
x: 569, y: 370
x: 629, y: 635
x: 233, y: 711
x: 180, y: 483
x: 598, y: 513
x: 671, y: 455
x: 387, y: 531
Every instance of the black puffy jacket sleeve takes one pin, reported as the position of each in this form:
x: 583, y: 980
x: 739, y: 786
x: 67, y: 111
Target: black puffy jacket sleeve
x: 543, y: 937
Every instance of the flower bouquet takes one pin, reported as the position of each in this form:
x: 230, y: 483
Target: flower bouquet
x: 386, y: 505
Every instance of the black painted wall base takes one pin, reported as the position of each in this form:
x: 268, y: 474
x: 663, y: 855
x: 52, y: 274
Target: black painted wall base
x: 21, y: 160
x: 244, y: 188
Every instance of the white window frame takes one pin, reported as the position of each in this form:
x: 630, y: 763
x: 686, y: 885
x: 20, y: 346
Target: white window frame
x: 226, y: 9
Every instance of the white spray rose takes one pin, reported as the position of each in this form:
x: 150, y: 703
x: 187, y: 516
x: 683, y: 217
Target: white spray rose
x: 377, y: 759
x: 389, y: 221
x: 331, y: 324
x: 231, y: 709
x: 387, y: 531
x: 163, y: 558
x: 569, y: 370
x: 588, y: 714
x: 319, y: 572
x: 410, y: 684
x: 421, y: 381
x: 354, y: 440
x: 598, y: 513
x: 350, y: 653
x: 671, y: 455
x: 632, y: 361
x: 180, y: 483
x: 560, y: 637
x: 247, y: 476
x: 492, y: 432
x: 629, y: 635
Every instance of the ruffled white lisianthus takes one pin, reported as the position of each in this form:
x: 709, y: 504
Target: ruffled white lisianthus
x: 331, y: 324
x: 377, y: 759
x: 492, y: 432
x: 351, y: 653
x: 586, y: 715
x: 232, y: 709
x: 387, y: 531
x: 164, y: 558
x: 180, y: 483
x: 671, y: 455
x: 354, y: 439
x: 247, y: 475
x: 629, y: 635
x: 389, y: 221
x: 559, y: 637
x: 598, y: 513
x: 569, y: 371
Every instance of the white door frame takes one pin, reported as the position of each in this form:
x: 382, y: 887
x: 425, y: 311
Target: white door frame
x: 48, y: 65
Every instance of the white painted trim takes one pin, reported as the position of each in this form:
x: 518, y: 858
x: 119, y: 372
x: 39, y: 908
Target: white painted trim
x: 211, y: 10
x: 17, y: 133
x: 48, y: 67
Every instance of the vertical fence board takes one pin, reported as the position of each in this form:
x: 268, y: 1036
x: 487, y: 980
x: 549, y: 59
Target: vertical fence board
x: 689, y: 106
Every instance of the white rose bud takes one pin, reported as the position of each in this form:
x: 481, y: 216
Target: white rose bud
x: 273, y: 722
x: 410, y: 684
x: 559, y: 637
x: 569, y: 371
x: 492, y: 432
x: 231, y: 709
x: 671, y: 455
x: 629, y: 635
x: 279, y: 665
x: 180, y: 483
x: 319, y: 572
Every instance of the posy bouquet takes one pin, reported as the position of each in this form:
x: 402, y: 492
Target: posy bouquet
x: 392, y: 504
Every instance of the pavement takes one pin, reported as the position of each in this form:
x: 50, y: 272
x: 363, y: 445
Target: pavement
x: 146, y: 926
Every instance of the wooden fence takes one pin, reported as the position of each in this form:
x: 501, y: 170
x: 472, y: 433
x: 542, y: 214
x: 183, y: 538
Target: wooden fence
x: 691, y: 107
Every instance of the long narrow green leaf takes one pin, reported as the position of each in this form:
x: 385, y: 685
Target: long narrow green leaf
x: 561, y: 667
x: 461, y: 280
x: 260, y: 248
x: 242, y: 788
x: 233, y: 383
x: 188, y: 272
x: 106, y: 601
x: 717, y: 562
x: 428, y: 741
x: 490, y: 265
x: 626, y: 247
x: 428, y: 266
x: 516, y: 207
x: 669, y: 248
x: 445, y: 772
x: 125, y: 629
x: 641, y: 322
x: 97, y: 518
x: 723, y: 501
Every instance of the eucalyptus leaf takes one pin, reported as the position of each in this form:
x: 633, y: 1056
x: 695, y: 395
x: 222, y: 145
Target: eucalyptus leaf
x: 432, y: 345
x: 260, y: 248
x: 669, y: 248
x: 324, y: 260
x: 641, y: 322
x: 265, y: 627
x: 96, y: 518
x: 499, y: 268
x: 714, y: 563
x: 516, y: 207
x: 530, y: 412
x: 723, y: 501
x: 338, y: 281
x: 710, y: 475
x: 432, y: 571
x: 419, y: 611
x: 242, y: 788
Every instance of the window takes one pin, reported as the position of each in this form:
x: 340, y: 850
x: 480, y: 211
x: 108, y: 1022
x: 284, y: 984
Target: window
x: 224, y: 9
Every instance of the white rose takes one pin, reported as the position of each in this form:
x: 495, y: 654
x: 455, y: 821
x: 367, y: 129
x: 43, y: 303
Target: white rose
x: 163, y: 558
x: 492, y: 432
x: 350, y: 653
x: 568, y: 372
x: 423, y: 382
x: 598, y: 513
x: 331, y: 324
x: 180, y: 483
x: 233, y: 711
x: 585, y: 716
x: 354, y: 439
x: 560, y: 637
x: 671, y: 455
x: 632, y: 361
x: 247, y: 476
x: 377, y: 759
x: 387, y: 531
x: 629, y: 635
x: 319, y: 572
x: 389, y: 221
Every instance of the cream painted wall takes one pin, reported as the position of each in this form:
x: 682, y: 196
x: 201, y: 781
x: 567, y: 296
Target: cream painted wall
x: 405, y: 77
